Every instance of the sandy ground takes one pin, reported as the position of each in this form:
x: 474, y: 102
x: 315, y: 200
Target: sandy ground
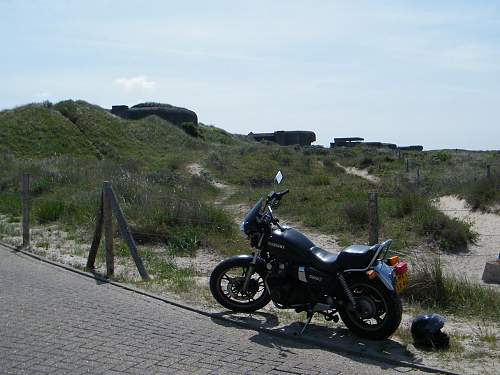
x: 360, y: 173
x: 487, y: 225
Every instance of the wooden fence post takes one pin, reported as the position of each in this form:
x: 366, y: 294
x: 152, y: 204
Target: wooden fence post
x: 372, y: 218
x: 25, y: 188
x: 398, y: 183
x: 125, y: 231
x: 407, y: 164
x: 97, y: 236
x: 488, y: 171
x: 418, y: 175
x: 108, y: 229
x: 108, y: 206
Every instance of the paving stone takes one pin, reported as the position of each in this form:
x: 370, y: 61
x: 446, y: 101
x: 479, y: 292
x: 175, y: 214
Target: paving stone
x: 53, y: 321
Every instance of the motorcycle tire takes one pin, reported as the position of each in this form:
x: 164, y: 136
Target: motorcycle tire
x: 392, y: 304
x: 217, y: 290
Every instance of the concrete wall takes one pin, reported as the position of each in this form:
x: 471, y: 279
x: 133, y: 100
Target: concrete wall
x: 175, y: 115
x: 286, y: 138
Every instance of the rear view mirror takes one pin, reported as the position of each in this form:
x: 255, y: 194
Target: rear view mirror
x: 278, y: 178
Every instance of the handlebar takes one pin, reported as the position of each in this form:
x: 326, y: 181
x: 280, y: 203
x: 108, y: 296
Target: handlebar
x: 283, y: 193
x: 274, y: 195
x: 272, y: 201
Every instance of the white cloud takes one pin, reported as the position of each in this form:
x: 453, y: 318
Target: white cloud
x: 134, y: 83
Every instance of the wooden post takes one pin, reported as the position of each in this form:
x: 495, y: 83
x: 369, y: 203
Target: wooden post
x: 125, y: 231
x: 418, y: 175
x: 97, y: 236
x: 488, y: 171
x: 108, y: 229
x: 407, y: 164
x: 25, y: 188
x: 372, y: 218
x: 398, y: 183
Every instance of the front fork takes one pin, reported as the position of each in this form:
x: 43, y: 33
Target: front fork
x: 251, y: 267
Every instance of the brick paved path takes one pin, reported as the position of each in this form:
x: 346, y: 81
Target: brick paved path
x: 54, y: 321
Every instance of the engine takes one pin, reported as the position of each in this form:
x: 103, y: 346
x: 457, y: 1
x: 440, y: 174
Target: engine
x: 285, y: 287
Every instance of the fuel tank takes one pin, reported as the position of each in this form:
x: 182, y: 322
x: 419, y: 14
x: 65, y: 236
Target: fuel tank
x: 290, y: 244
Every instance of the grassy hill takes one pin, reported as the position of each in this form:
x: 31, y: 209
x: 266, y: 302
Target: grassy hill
x: 72, y: 146
x: 80, y: 129
x: 35, y: 131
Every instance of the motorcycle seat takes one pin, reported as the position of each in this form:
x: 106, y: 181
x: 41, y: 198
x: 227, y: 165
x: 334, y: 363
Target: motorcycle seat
x: 356, y: 256
x: 323, y: 260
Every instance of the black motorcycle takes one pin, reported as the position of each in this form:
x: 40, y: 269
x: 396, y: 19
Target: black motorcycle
x: 358, y: 284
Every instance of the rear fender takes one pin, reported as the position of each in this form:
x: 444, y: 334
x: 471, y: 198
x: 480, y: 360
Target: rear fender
x: 386, y: 274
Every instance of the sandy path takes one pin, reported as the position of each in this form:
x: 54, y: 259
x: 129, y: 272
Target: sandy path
x: 238, y: 211
x: 488, y: 244
x: 227, y: 190
x: 360, y: 173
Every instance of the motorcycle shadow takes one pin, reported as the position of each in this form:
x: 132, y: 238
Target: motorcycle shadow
x: 284, y: 337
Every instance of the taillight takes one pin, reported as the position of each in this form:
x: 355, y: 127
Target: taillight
x: 401, y: 267
x: 392, y: 261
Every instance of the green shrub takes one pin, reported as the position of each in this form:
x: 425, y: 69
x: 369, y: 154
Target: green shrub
x: 40, y: 186
x: 10, y: 203
x: 47, y: 104
x: 355, y: 213
x: 366, y: 162
x: 407, y: 203
x: 49, y: 211
x: 481, y: 193
x: 450, y: 234
x: 184, y: 243
x: 320, y: 180
x: 191, y: 129
x: 442, y: 156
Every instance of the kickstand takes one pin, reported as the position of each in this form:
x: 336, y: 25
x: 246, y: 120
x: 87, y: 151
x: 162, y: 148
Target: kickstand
x: 309, y: 318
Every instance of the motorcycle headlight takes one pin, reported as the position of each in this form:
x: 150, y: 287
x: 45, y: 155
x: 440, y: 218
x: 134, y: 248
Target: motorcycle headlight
x: 242, y: 227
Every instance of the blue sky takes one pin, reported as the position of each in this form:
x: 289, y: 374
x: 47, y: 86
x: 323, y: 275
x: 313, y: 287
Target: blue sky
x: 407, y: 72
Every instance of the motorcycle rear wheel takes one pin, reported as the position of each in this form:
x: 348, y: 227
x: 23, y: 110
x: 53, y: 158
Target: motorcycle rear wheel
x: 385, y: 305
x: 226, y: 282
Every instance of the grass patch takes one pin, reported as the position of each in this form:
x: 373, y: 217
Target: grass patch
x: 8, y: 229
x: 49, y: 211
x: 355, y: 213
x: 432, y: 288
x: 10, y: 203
x: 161, y: 268
x: 450, y: 234
x: 487, y: 334
x: 412, y: 212
x: 481, y: 194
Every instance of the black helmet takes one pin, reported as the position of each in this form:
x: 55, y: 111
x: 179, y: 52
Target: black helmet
x: 426, y: 331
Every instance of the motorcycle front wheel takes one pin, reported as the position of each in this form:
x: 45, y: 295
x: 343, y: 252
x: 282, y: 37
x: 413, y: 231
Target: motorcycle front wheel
x: 226, y: 285
x: 381, y: 310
